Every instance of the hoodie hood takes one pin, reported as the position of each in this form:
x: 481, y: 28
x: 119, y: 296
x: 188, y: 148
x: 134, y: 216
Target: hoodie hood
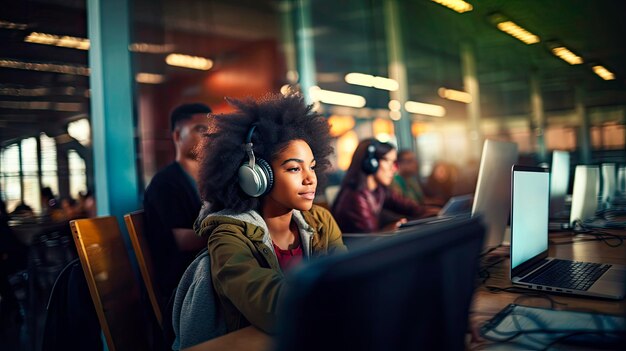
x: 253, y: 226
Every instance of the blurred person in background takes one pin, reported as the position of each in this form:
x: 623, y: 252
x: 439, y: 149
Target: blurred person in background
x: 12, y: 259
x: 22, y: 210
x: 365, y: 192
x: 406, y: 181
x: 172, y: 202
x: 50, y: 205
x: 87, y: 204
x: 441, y: 182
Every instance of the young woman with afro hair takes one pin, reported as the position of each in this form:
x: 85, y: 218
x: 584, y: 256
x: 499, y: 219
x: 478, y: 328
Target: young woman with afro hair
x: 259, y: 171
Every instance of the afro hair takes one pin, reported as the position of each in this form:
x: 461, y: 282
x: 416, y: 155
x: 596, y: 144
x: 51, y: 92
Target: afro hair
x: 278, y: 120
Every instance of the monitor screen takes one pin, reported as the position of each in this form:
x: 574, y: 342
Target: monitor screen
x: 621, y: 179
x: 559, y: 182
x: 411, y: 291
x: 492, y: 199
x: 608, y: 183
x: 529, y: 213
x: 585, y: 194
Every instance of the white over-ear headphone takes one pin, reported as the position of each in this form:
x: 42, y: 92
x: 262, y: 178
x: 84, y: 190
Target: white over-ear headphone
x: 255, y: 175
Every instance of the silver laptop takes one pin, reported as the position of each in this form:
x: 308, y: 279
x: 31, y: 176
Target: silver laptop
x: 530, y: 265
x: 456, y: 207
x: 492, y: 199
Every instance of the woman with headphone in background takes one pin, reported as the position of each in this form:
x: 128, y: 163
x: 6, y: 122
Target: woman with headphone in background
x: 365, y: 191
x: 259, y: 172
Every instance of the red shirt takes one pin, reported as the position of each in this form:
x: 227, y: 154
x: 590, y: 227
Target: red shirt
x: 288, y: 258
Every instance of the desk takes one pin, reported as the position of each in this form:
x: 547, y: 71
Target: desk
x: 485, y: 303
x: 249, y: 338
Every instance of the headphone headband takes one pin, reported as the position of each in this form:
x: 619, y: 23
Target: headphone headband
x: 249, y: 137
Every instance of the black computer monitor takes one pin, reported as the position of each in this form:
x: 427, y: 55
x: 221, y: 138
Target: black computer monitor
x: 411, y: 291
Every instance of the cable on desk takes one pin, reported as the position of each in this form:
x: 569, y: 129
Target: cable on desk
x: 579, y: 228
x: 490, y: 250
x: 484, y: 270
x: 569, y: 333
x: 525, y: 294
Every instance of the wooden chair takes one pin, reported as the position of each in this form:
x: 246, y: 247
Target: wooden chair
x: 111, y: 282
x: 134, y: 223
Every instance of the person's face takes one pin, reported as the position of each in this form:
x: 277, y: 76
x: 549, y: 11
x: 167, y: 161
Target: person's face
x: 188, y: 134
x: 407, y: 164
x: 386, y: 168
x: 294, y: 177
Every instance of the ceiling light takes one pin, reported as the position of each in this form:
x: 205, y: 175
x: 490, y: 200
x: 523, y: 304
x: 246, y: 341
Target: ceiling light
x: 151, y: 48
x: 57, y: 40
x: 421, y: 108
x: 45, y: 67
x: 395, y: 115
x: 459, y: 6
x: 455, y: 95
x: 187, y: 61
x: 24, y: 91
x: 42, y: 105
x: 149, y: 78
x: 518, y: 32
x: 368, y: 80
x: 12, y: 25
x: 394, y: 105
x: 603, y: 72
x: 566, y: 55
x: 336, y: 98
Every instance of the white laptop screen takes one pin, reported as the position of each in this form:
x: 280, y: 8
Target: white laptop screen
x: 529, y: 221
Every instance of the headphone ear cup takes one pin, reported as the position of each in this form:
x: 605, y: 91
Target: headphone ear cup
x: 266, y: 169
x: 258, y: 181
x: 370, y: 162
x: 370, y: 165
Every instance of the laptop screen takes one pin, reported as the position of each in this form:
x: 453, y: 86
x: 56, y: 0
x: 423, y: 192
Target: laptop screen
x: 529, y: 213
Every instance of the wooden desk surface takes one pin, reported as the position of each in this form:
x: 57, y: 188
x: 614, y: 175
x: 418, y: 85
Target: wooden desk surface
x: 248, y: 339
x: 485, y: 303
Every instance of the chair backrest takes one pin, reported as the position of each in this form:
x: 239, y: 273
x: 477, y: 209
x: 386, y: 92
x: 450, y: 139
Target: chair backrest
x: 134, y: 223
x: 111, y: 282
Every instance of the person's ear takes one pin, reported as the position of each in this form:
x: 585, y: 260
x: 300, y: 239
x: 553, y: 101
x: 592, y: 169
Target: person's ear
x: 176, y: 135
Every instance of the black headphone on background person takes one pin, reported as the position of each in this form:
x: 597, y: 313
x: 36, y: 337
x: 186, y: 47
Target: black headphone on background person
x: 370, y: 161
x: 255, y: 176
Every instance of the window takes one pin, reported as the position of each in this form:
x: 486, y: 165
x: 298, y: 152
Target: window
x: 49, y: 176
x: 30, y: 177
x: 78, y: 177
x: 10, y: 160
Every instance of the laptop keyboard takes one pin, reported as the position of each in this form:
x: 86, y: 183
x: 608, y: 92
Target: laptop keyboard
x: 568, y: 274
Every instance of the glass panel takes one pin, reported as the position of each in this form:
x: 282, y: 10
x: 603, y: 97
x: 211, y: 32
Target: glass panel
x: 10, y: 159
x: 78, y: 179
x: 30, y: 174
x: 49, y: 177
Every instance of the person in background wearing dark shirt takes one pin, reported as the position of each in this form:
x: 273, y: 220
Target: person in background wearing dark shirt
x: 172, y: 202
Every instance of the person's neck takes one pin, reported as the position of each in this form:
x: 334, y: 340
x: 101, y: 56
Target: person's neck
x: 278, y: 221
x: 192, y: 167
x: 372, y: 184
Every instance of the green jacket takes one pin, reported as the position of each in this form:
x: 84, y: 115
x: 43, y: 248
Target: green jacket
x: 244, y: 269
